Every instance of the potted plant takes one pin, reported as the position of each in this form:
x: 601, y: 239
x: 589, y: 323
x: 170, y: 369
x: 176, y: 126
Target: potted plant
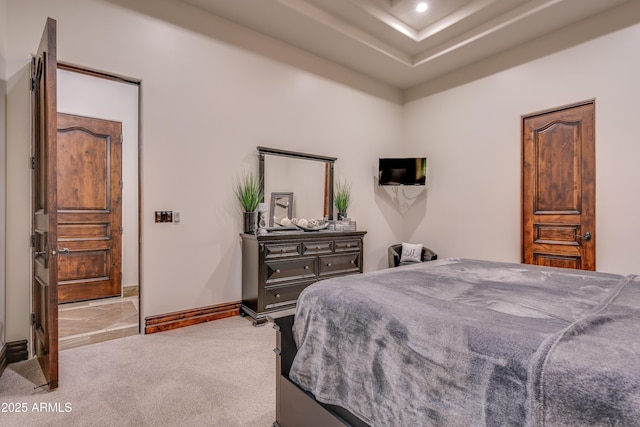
x: 249, y: 193
x: 342, y: 198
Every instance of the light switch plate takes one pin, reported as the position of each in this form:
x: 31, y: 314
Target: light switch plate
x: 164, y: 216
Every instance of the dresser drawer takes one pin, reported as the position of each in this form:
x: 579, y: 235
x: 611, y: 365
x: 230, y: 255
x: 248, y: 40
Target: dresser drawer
x: 281, y: 250
x: 292, y: 269
x: 317, y: 248
x: 350, y: 245
x: 340, y: 264
x: 285, y: 294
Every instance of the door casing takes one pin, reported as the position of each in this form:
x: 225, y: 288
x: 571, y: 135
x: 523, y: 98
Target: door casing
x: 83, y: 104
x: 558, y: 187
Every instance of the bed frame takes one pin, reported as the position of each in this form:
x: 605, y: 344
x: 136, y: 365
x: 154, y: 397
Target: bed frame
x: 294, y: 406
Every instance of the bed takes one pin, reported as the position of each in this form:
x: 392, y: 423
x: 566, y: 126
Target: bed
x: 461, y: 342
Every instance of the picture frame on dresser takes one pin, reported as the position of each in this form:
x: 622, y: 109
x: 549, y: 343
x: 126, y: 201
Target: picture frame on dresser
x: 281, y: 207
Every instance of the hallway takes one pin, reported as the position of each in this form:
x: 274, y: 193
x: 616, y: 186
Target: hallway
x: 94, y: 321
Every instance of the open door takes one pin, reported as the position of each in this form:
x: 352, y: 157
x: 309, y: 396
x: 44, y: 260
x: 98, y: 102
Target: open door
x: 44, y: 215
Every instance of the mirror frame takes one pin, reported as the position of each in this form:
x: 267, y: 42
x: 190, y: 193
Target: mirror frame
x: 328, y: 176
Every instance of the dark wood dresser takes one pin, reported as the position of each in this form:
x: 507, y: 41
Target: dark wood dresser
x: 277, y: 266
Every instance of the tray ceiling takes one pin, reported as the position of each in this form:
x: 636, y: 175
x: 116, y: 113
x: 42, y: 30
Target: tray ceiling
x: 393, y: 43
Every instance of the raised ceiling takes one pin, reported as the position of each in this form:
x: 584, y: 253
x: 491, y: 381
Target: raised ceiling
x: 391, y: 42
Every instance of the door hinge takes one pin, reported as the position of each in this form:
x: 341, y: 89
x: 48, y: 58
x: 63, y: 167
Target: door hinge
x: 33, y: 241
x: 33, y: 74
x: 33, y: 163
x: 121, y: 185
x: 33, y: 319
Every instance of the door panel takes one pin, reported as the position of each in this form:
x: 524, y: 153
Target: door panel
x: 44, y: 215
x: 558, y: 194
x: 89, y: 208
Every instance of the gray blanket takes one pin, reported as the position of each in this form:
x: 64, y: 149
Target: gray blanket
x: 466, y: 343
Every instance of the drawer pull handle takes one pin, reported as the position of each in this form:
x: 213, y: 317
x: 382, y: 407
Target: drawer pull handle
x: 277, y: 270
x: 328, y: 264
x: 306, y: 267
x: 348, y: 245
x: 277, y: 295
x: 352, y: 262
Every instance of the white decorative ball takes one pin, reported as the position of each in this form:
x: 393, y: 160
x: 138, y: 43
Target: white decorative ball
x: 302, y: 222
x: 285, y: 222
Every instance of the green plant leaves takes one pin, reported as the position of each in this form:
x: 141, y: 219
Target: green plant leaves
x: 249, y: 192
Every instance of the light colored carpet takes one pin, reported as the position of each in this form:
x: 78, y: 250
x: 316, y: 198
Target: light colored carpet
x: 220, y: 373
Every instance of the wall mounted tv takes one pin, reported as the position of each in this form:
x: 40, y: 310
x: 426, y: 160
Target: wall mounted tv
x: 402, y: 171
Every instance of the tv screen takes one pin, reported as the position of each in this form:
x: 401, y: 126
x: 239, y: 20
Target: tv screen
x: 402, y: 171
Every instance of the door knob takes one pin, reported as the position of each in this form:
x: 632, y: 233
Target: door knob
x: 586, y: 237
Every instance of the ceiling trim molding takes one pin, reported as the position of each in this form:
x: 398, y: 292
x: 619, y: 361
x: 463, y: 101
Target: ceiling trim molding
x: 330, y: 21
x: 453, y: 19
x: 353, y: 33
x: 490, y: 27
x: 192, y: 18
x: 387, y: 19
x: 418, y: 35
x: 493, y: 26
x: 626, y: 15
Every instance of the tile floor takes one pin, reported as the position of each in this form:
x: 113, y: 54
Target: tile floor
x: 88, y: 322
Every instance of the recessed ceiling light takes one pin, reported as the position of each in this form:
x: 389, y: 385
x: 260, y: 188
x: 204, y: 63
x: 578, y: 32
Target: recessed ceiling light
x: 421, y: 7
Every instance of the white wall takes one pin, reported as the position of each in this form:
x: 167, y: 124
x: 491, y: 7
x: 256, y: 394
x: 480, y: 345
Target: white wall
x: 472, y: 137
x: 18, y: 225
x: 206, y: 104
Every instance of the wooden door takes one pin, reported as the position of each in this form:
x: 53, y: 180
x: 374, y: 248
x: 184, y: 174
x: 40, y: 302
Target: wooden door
x: 44, y: 221
x: 558, y: 194
x: 89, y: 208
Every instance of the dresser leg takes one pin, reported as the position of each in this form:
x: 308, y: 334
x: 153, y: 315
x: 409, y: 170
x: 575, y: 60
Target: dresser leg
x: 259, y: 322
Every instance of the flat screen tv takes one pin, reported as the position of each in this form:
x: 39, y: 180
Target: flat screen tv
x: 402, y: 171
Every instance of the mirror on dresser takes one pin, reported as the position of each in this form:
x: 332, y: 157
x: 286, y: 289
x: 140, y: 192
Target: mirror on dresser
x: 308, y: 176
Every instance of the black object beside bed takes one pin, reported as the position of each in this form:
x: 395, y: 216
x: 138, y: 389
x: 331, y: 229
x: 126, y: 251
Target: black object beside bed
x: 462, y: 342
x: 294, y: 406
